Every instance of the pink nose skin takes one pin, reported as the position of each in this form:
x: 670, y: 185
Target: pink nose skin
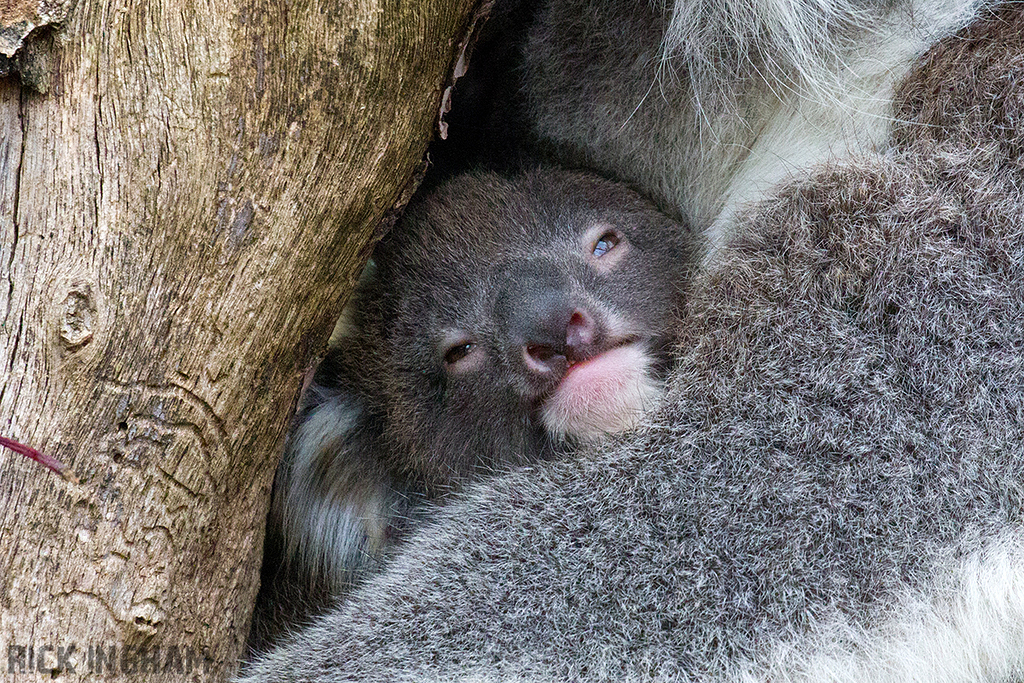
x: 580, y: 334
x: 581, y: 331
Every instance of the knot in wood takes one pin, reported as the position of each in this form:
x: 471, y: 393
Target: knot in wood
x: 77, y: 319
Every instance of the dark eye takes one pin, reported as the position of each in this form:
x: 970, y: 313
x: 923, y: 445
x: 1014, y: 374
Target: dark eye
x: 458, y: 352
x: 605, y: 243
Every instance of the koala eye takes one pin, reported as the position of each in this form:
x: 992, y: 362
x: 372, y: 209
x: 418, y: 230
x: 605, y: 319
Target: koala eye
x: 458, y: 352
x: 605, y: 243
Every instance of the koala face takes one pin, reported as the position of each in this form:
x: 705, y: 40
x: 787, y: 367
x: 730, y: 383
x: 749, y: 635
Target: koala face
x: 503, y: 320
x: 508, y: 315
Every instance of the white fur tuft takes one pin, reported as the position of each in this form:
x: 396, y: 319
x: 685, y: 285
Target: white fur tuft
x: 328, y: 519
x: 832, y: 99
x: 968, y: 625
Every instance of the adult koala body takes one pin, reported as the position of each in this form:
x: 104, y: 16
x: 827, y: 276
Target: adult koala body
x: 833, y: 489
x: 505, y: 319
x: 708, y: 105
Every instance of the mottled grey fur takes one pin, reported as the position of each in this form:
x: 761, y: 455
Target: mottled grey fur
x: 833, y: 490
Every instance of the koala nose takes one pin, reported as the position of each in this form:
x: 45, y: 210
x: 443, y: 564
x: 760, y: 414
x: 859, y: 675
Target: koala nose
x: 559, y: 339
x: 581, y: 332
x: 545, y: 327
x: 540, y: 329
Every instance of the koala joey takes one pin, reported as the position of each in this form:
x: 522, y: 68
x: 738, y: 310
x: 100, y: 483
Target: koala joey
x: 504, y: 319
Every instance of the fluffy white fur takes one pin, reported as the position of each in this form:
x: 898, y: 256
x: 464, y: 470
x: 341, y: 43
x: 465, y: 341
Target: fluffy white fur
x: 967, y: 625
x: 839, y: 103
x: 325, y: 513
x: 610, y: 399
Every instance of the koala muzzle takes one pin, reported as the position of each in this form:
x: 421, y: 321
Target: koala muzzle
x: 548, y: 329
x: 559, y: 340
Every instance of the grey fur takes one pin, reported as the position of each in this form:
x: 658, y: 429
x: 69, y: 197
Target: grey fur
x: 708, y: 105
x: 390, y: 426
x: 833, y: 489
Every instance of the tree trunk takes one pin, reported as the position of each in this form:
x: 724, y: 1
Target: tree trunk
x: 181, y: 215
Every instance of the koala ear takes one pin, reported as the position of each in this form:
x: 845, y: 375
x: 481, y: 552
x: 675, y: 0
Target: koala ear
x: 331, y: 500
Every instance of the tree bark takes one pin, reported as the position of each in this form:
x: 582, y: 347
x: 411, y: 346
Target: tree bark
x: 181, y: 215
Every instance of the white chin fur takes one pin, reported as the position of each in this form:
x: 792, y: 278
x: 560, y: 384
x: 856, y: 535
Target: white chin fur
x: 607, y: 394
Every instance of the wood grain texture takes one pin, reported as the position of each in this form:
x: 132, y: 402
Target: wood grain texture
x: 180, y: 218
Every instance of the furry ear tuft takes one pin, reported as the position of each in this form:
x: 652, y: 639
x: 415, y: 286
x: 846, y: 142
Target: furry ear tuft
x: 331, y: 496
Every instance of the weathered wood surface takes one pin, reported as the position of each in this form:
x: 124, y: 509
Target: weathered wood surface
x: 180, y: 216
x: 19, y: 18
